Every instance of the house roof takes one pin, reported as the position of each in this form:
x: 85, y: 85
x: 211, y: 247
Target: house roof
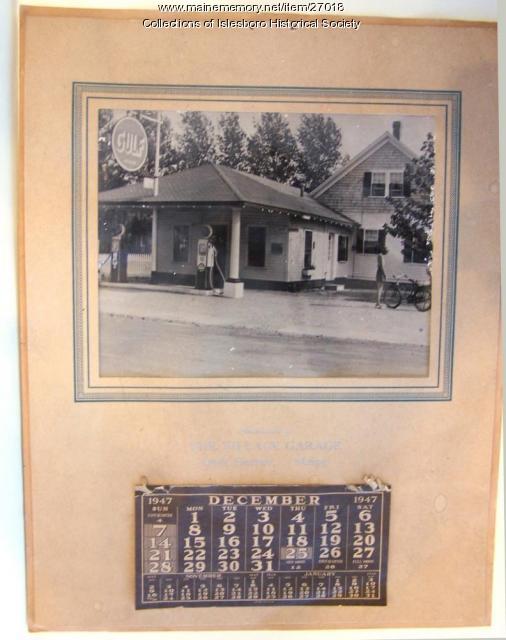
x: 386, y: 138
x: 217, y: 184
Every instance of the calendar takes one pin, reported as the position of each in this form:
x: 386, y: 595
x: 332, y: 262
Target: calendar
x: 261, y: 545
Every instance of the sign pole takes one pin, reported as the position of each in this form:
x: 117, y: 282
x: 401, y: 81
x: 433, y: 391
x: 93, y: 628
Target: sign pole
x: 158, y: 122
x: 157, y: 153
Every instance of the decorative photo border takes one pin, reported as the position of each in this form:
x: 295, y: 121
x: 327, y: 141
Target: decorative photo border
x: 90, y: 387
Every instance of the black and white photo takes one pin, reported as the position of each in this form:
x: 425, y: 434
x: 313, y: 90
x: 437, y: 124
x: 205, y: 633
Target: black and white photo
x: 264, y: 244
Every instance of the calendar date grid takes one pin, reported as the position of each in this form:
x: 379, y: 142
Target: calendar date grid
x: 269, y: 548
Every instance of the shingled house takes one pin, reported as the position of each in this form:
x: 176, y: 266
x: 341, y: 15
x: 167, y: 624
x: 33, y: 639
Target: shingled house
x: 360, y: 190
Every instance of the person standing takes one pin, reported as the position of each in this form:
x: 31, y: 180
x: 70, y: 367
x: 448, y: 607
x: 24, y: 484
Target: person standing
x: 210, y: 261
x: 380, y: 281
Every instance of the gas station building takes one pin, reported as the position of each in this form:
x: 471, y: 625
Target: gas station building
x: 265, y: 234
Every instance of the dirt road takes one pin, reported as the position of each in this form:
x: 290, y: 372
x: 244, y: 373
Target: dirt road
x: 149, y: 347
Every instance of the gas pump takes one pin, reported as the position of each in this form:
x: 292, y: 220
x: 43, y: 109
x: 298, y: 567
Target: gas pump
x: 205, y: 259
x: 119, y: 257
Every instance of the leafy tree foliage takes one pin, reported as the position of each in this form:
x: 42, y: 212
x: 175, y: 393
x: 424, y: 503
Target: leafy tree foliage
x: 272, y: 149
x: 413, y: 215
x: 231, y: 142
x: 170, y: 158
x: 196, y: 143
x: 320, y: 144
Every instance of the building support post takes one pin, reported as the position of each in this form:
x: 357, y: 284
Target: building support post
x: 233, y: 287
x: 154, y: 241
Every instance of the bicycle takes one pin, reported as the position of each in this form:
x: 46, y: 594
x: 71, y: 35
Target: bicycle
x: 405, y: 289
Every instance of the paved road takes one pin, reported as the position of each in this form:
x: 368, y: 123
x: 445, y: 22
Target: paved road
x: 132, y: 346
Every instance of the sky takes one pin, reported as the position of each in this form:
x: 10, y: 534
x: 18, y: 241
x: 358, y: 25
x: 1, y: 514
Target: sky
x: 358, y: 131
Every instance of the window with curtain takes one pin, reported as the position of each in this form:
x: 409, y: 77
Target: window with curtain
x: 371, y: 241
x: 396, y: 184
x: 378, y: 183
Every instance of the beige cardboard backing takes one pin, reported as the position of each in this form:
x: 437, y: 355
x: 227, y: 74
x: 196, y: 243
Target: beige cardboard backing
x: 83, y: 459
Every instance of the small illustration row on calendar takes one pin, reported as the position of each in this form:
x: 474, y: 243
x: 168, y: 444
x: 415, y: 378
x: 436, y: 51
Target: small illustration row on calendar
x: 265, y: 586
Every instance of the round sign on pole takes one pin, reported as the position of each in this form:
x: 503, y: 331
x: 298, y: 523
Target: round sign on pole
x: 129, y: 144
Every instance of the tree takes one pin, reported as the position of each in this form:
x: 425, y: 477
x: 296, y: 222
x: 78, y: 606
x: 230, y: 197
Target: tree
x: 170, y: 156
x: 272, y: 149
x: 320, y: 149
x: 197, y: 140
x: 413, y: 215
x: 231, y: 142
x: 111, y: 175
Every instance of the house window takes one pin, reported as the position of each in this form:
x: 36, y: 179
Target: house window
x: 414, y: 253
x: 378, y: 183
x: 371, y: 241
x: 181, y: 243
x: 276, y: 248
x: 308, y: 250
x: 396, y: 184
x: 256, y: 246
x: 342, y: 249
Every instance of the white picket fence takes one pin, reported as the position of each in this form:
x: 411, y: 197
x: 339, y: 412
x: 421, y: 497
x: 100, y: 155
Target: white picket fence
x: 138, y: 266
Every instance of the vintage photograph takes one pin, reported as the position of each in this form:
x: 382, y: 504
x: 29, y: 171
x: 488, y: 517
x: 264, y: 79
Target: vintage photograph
x: 264, y: 244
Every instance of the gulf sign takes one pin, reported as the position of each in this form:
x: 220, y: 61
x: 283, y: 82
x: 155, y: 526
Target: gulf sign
x: 129, y: 144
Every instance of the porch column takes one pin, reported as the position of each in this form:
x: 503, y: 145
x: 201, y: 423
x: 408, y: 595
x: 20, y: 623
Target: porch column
x: 154, y: 240
x: 233, y: 287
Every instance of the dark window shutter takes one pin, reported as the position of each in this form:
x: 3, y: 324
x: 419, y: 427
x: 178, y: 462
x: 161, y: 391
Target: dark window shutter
x: 407, y: 249
x: 366, y: 185
x: 360, y: 241
x: 382, y: 241
x: 407, y: 185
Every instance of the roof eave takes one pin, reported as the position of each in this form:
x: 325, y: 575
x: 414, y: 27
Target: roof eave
x: 168, y: 203
x: 301, y: 214
x: 243, y: 203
